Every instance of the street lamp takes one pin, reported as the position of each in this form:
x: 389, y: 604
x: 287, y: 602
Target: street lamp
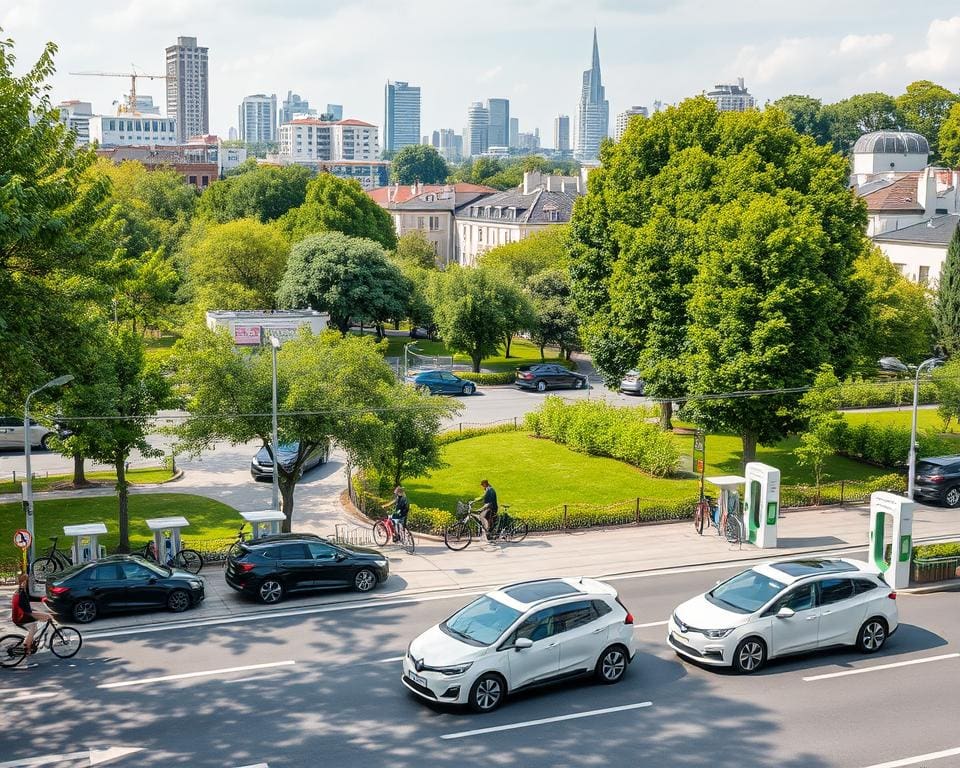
x: 894, y: 364
x: 406, y: 369
x: 28, y: 487
x: 275, y: 345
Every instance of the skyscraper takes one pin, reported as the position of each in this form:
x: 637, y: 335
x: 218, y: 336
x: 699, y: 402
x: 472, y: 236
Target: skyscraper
x: 188, y: 98
x: 476, y: 135
x: 293, y: 105
x: 514, y: 131
x: 401, y: 120
x: 335, y: 111
x: 593, y: 111
x: 498, y: 134
x: 258, y: 119
x: 623, y: 120
x: 561, y: 133
x: 732, y: 97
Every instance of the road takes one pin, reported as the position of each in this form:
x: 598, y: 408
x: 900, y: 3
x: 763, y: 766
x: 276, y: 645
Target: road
x: 320, y: 687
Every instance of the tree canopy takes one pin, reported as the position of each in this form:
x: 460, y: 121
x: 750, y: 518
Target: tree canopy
x: 923, y: 107
x: 467, y: 311
x: 418, y: 162
x: 524, y: 258
x: 262, y: 192
x: 946, y: 310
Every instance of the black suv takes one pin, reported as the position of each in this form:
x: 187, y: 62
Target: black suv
x: 938, y: 479
x: 543, y: 376
x: 270, y: 567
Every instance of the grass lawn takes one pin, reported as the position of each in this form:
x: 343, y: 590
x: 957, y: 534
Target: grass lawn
x: 138, y: 476
x: 209, y: 519
x: 927, y: 419
x: 159, y: 347
x: 521, y: 352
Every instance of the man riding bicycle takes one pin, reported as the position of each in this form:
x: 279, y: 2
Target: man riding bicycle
x: 23, y: 615
x: 401, y: 509
x: 489, y: 509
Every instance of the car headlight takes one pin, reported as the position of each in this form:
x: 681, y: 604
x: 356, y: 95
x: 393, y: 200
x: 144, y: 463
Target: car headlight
x: 380, y: 563
x: 716, y: 634
x: 196, y: 584
x: 457, y: 669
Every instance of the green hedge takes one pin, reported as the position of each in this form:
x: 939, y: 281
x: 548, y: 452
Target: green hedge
x: 489, y: 379
x: 463, y: 433
x: 930, y: 551
x: 598, y: 429
x: 874, y: 394
x: 845, y: 492
x: 887, y: 444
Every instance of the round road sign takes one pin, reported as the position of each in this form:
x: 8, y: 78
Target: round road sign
x: 22, y: 538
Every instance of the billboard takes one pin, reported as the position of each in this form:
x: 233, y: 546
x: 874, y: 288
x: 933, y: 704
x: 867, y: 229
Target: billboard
x: 246, y: 335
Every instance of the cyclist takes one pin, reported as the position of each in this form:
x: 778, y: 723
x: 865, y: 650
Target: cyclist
x: 489, y: 508
x: 23, y: 616
x: 401, y: 509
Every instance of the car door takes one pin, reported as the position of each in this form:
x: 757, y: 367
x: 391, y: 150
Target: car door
x: 799, y: 632
x: 144, y: 587
x: 581, y: 636
x: 541, y: 660
x: 841, y: 611
x: 296, y: 565
x: 108, y: 587
x: 8, y: 432
x: 329, y: 569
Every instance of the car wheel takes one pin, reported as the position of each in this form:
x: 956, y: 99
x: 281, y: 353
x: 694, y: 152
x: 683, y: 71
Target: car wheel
x: 45, y: 442
x: 178, y: 601
x: 270, y: 592
x: 612, y: 665
x: 872, y: 635
x: 365, y: 580
x: 541, y: 386
x: 84, y: 611
x: 468, y: 389
x: 487, y: 693
x: 750, y: 655
x: 952, y: 497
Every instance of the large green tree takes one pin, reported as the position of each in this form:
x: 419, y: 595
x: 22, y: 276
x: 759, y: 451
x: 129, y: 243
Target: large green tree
x: 555, y: 318
x: 468, y: 313
x: 547, y: 249
x: 924, y: 106
x: 946, y: 309
x: 418, y: 162
x: 948, y: 140
x: 848, y: 119
x: 262, y: 192
x: 806, y: 116
x: 413, y: 247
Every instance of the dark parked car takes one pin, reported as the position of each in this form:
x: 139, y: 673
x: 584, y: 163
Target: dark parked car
x: 273, y: 566
x: 938, y: 479
x: 423, y: 332
x: 632, y: 384
x: 543, y: 376
x: 121, y: 583
x: 442, y: 383
x: 261, y: 468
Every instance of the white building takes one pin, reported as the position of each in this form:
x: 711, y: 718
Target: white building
x: 623, y: 119
x: 889, y: 152
x: 919, y: 250
x: 258, y: 118
x: 132, y: 130
x: 476, y: 138
x: 76, y: 116
x: 250, y: 328
x: 731, y: 97
x: 188, y: 99
x: 312, y: 140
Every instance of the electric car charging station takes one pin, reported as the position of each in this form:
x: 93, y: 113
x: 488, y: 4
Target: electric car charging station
x: 84, y: 547
x: 761, y: 504
x: 899, y: 511
x: 166, y: 536
x: 265, y: 523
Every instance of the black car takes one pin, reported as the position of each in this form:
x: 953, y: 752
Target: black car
x: 543, y: 376
x: 938, y: 479
x: 261, y: 468
x: 273, y: 566
x: 121, y: 583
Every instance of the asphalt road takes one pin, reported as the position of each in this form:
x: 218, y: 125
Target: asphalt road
x: 320, y: 687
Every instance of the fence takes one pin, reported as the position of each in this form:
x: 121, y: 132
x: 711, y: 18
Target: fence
x: 936, y: 569
x: 417, y: 362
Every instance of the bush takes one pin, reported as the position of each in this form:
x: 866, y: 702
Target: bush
x: 875, y: 394
x: 929, y: 551
x: 455, y: 435
x: 889, y: 445
x: 489, y: 379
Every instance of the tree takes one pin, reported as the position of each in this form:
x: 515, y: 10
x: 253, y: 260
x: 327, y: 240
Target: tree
x: 948, y: 140
x: 340, y: 205
x: 349, y: 277
x: 555, y: 318
x: 946, y: 308
x: 468, y: 313
x: 414, y: 248
x: 516, y: 309
x: 147, y: 290
x: 547, y: 249
x: 850, y: 118
x: 806, y: 116
x: 924, y: 107
x: 947, y: 379
x: 825, y: 425
x: 261, y: 192
x: 418, y: 162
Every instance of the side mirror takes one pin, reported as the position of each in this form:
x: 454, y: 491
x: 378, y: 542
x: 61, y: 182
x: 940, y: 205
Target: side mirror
x: 523, y: 643
x: 786, y: 613
x: 340, y: 557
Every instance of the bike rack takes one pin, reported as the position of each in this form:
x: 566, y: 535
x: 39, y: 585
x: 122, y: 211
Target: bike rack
x: 84, y: 547
x: 899, y: 510
x: 729, y: 496
x: 265, y: 523
x: 166, y: 536
x: 761, y: 504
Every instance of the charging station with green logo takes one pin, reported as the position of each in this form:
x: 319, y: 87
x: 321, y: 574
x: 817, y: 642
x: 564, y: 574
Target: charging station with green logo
x: 762, y: 504
x: 898, y: 510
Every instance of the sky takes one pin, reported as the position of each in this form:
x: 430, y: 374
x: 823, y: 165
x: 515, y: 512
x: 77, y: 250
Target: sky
x: 532, y: 52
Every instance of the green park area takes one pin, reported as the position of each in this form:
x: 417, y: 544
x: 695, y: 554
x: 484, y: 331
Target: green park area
x: 137, y: 476
x: 521, y: 351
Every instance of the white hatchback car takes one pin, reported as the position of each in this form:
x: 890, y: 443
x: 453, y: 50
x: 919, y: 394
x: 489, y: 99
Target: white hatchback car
x: 520, y: 636
x: 783, y: 608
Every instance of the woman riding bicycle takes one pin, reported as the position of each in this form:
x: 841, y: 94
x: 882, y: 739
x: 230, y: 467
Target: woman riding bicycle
x: 23, y: 615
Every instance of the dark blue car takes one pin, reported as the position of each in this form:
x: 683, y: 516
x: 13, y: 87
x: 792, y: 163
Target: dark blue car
x: 441, y: 383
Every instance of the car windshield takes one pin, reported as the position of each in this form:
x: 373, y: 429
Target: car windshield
x: 482, y: 622
x: 746, y: 592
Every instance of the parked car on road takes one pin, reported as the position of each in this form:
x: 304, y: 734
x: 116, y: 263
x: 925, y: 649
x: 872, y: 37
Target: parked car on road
x: 11, y: 433
x: 521, y: 636
x: 544, y: 376
x: 261, y: 467
x: 423, y: 332
x: 121, y: 583
x: 938, y: 479
x: 442, y: 383
x: 274, y: 566
x: 782, y: 608
x: 632, y: 384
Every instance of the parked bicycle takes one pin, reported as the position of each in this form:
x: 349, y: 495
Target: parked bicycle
x: 185, y: 559
x: 728, y: 525
x: 63, y: 642
x: 241, y: 537
x: 53, y: 561
x: 473, y: 525
x: 390, y: 530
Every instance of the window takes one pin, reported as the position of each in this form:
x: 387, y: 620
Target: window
x: 113, y: 125
x: 923, y: 275
x: 137, y: 126
x: 321, y: 551
x: 434, y: 223
x: 133, y: 571
x: 835, y: 590
x: 900, y: 267
x: 420, y: 222
x: 538, y: 626
x: 294, y: 552
x: 745, y: 592
x: 601, y: 608
x: 482, y: 622
x: 862, y: 585
x: 573, y: 615
x: 156, y: 127
x: 803, y: 598
x: 193, y: 180
x: 479, y: 234
x: 106, y: 573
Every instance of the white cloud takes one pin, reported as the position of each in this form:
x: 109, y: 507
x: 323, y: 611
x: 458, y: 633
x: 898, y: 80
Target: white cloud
x: 487, y: 75
x: 942, y: 54
x: 859, y: 44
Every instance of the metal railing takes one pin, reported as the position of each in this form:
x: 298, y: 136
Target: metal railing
x: 936, y: 569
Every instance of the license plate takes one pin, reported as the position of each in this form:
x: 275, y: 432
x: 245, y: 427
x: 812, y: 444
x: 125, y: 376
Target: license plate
x: 417, y: 679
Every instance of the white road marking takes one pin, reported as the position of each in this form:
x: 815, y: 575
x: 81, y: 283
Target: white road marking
x: 546, y: 720
x: 30, y: 696
x: 187, y: 675
x: 254, y: 765
x: 387, y: 661
x: 94, y: 756
x: 252, y: 678
x: 918, y: 759
x: 878, y: 667
x: 651, y: 624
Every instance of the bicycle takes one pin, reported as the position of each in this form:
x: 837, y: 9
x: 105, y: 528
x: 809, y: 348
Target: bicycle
x: 52, y: 562
x: 234, y: 548
x: 63, y: 642
x: 472, y: 524
x: 187, y: 559
x: 388, y: 529
x: 727, y: 525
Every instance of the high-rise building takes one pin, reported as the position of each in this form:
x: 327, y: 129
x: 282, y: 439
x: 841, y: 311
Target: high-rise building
x: 514, y: 131
x: 232, y: 134
x: 476, y: 138
x: 498, y: 132
x: 293, y: 105
x: 76, y: 116
x: 258, y: 119
x: 188, y: 98
x: 401, y: 120
x: 732, y: 97
x: 335, y: 111
x: 561, y: 133
x: 593, y: 111
x: 623, y: 119
x: 448, y: 144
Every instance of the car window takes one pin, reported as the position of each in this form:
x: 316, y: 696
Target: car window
x: 746, y: 592
x: 134, y: 571
x: 448, y: 377
x: 803, y: 598
x: 293, y: 552
x: 601, y: 608
x: 835, y: 590
x: 862, y: 585
x: 108, y: 572
x: 537, y: 626
x: 321, y: 551
x: 573, y: 615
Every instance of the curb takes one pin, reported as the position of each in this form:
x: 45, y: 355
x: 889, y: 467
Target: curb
x: 7, y: 498
x: 951, y: 585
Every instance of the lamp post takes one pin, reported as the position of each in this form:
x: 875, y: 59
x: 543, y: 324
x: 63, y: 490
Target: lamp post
x: 406, y: 368
x: 28, y: 483
x: 275, y: 345
x: 893, y: 364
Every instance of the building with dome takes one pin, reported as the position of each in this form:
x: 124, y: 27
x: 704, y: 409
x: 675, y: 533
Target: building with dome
x: 890, y: 152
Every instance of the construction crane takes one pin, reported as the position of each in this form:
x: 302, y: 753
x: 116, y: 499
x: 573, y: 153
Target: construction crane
x: 132, y: 98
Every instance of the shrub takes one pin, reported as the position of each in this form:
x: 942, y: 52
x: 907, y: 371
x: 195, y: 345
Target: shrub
x: 455, y: 435
x: 488, y: 379
x: 929, y: 551
x: 889, y: 445
x: 873, y: 394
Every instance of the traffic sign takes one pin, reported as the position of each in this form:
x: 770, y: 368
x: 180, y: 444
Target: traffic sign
x: 22, y: 538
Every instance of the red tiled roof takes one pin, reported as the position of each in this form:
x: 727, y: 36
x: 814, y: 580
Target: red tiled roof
x: 901, y: 195
x: 404, y: 192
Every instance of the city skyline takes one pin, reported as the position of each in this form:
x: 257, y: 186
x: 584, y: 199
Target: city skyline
x: 850, y: 52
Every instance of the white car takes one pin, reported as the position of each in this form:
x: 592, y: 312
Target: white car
x: 11, y: 433
x: 782, y: 608
x: 520, y: 636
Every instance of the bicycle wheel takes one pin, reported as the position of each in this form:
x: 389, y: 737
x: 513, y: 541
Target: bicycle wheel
x: 732, y: 530
x: 700, y: 518
x: 189, y: 560
x: 12, y: 650
x: 458, y: 536
x: 65, y: 642
x: 409, y: 545
x: 516, y: 531
x: 44, y: 567
x: 380, y: 534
